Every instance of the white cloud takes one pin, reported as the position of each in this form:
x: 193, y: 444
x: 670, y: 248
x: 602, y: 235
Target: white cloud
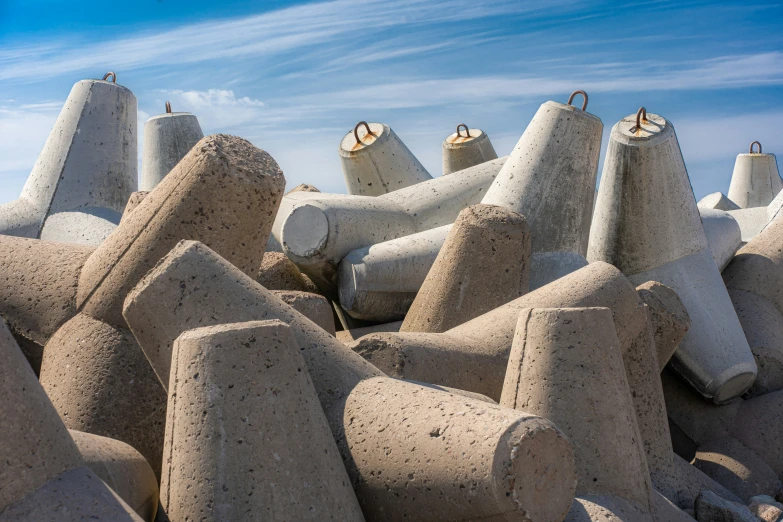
x: 217, y: 108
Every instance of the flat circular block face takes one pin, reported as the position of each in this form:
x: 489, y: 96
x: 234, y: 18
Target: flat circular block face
x: 305, y: 230
x: 734, y: 387
x: 456, y: 140
x: 651, y: 127
x: 171, y: 115
x: 349, y: 143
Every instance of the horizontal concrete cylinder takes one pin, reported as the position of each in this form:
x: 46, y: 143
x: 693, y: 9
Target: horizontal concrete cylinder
x: 723, y: 235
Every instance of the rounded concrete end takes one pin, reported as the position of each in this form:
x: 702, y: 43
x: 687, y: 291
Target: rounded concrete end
x: 455, y: 141
x: 305, y: 231
x: 171, y: 115
x: 651, y: 127
x: 735, y: 386
x: 380, y: 133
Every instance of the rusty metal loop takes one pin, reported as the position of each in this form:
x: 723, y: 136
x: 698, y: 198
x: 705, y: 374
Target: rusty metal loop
x: 168, y: 108
x: 583, y: 93
x: 467, y: 131
x: 356, y: 131
x: 641, y: 115
x: 112, y: 74
x: 755, y: 143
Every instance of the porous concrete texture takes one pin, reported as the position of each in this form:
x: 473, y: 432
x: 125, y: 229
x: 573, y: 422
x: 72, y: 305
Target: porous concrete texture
x: 566, y: 365
x: 766, y: 508
x: 348, y: 336
x: 668, y: 316
x: 35, y: 446
x: 466, y: 148
x: 277, y: 272
x: 95, y: 375
x: 740, y: 470
x: 723, y: 235
x: 474, y: 355
x: 225, y: 193
x: 89, y: 189
x: 270, y: 454
x: 484, y: 263
x: 313, y: 306
x: 167, y: 139
x: 123, y: 469
x: 647, y: 224
x: 606, y: 508
x: 345, y: 382
x: 318, y: 230
x: 755, y: 181
x: 711, y: 508
x: 717, y: 201
x: 550, y: 177
x: 755, y: 282
x: 546, y: 267
x: 133, y: 202
x: 375, y: 161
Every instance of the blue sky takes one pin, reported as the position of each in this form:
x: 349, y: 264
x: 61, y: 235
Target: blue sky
x: 294, y: 77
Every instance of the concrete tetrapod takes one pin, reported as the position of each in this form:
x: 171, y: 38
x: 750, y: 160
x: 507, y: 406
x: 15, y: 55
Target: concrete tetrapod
x: 313, y: 306
x: 40, y: 457
x: 566, y: 365
x: 225, y: 193
x: 647, y: 225
x: 375, y: 161
x: 519, y: 464
x: 73, y: 194
x: 717, y: 201
x: 754, y: 279
x: 271, y: 455
x: 133, y: 202
x: 167, y: 139
x: 464, y: 149
x: 123, y: 469
x: 668, y: 316
x: 484, y: 263
x: 723, y: 235
x: 755, y: 181
x: 474, y: 355
x: 317, y: 231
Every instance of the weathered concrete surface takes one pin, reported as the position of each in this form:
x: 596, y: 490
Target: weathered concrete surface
x: 711, y: 508
x: 270, y: 454
x: 606, y: 508
x: 100, y: 382
x: 345, y: 382
x: 751, y: 221
x: 348, y: 336
x: 737, y: 468
x: 550, y: 177
x: 723, y: 235
x: 647, y: 224
x: 484, y: 263
x: 474, y: 355
x: 167, y: 139
x: 668, y: 316
x: 69, y: 177
x: 462, y: 150
x: 123, y: 469
x: 318, y: 230
x: 566, y: 365
x: 133, y: 202
x: 277, y: 272
x: 755, y: 282
x: 378, y: 162
x: 766, y: 508
x: 313, y: 306
x: 546, y: 267
x: 755, y: 181
x: 86, y: 226
x: 717, y: 201
x: 35, y: 446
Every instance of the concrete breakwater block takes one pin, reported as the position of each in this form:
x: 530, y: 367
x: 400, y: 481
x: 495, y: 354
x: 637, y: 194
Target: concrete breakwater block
x: 375, y: 161
x: 224, y: 192
x: 647, y: 224
x: 366, y: 410
x: 723, y: 233
x: 717, y: 201
x: 474, y: 355
x: 484, y: 263
x: 755, y: 181
x: 270, y: 453
x: 317, y: 231
x: 466, y: 148
x: 168, y: 138
x: 74, y: 195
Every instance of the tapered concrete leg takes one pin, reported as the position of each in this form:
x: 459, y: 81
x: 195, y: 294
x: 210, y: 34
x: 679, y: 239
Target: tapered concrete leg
x: 313, y: 306
x: 751, y: 221
x: 723, y: 235
x: 158, y: 314
x: 271, y: 454
x: 71, y: 191
x: 605, y: 508
x: 566, y: 365
x: 348, y: 336
x: 668, y: 317
x: 484, y: 263
x: 277, y: 272
x: 755, y: 181
x: 466, y: 148
x: 474, y: 355
x: 717, y: 201
x: 133, y: 202
x: 546, y: 267
x: 167, y: 139
x: 123, y: 469
x: 647, y: 224
x: 100, y: 382
x: 318, y: 230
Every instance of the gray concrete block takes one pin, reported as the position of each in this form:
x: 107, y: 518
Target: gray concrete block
x: 755, y: 181
x: 723, y: 233
x: 375, y: 161
x: 167, y: 139
x: 466, y: 148
x: 313, y: 306
x: 717, y: 201
x: 711, y: 508
x: 668, y: 317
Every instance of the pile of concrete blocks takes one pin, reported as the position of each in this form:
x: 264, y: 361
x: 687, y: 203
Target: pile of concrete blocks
x: 501, y: 342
